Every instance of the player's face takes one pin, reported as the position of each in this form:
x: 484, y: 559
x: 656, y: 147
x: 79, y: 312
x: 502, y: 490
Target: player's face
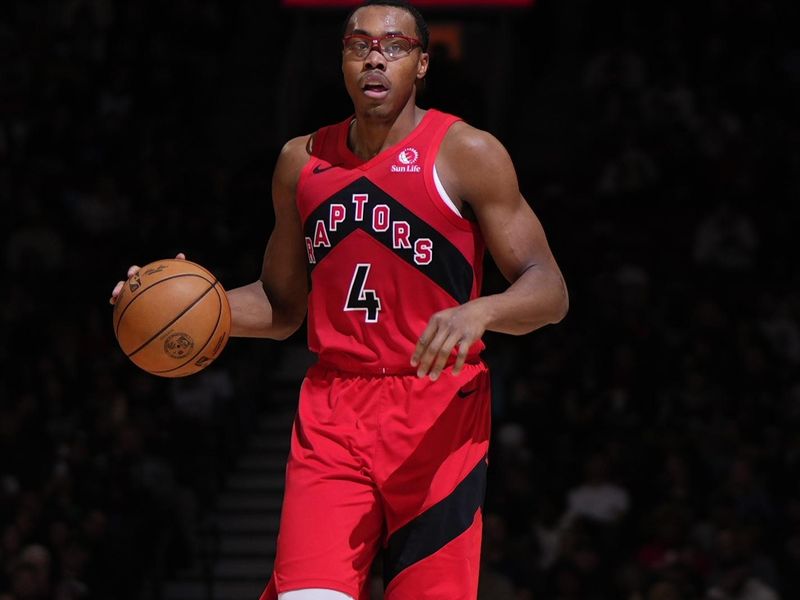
x: 379, y: 84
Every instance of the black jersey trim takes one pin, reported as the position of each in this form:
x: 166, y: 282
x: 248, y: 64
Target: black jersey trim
x: 437, y: 526
x: 449, y: 268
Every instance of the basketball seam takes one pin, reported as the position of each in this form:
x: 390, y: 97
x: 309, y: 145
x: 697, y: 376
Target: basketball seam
x: 210, y: 338
x: 178, y: 316
x: 135, y: 298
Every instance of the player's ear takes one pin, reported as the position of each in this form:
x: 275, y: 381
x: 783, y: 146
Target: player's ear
x: 422, y: 65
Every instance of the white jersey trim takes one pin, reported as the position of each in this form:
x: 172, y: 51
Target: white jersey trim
x: 314, y: 594
x: 443, y: 193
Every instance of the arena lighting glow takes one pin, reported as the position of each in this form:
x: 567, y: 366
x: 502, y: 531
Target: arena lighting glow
x: 417, y: 3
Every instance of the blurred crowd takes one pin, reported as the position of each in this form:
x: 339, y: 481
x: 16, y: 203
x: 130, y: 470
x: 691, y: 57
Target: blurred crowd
x: 106, y: 472
x: 647, y: 448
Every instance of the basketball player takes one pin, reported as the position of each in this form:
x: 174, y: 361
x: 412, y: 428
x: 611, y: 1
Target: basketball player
x: 389, y: 212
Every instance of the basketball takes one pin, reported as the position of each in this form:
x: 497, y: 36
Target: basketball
x: 172, y: 318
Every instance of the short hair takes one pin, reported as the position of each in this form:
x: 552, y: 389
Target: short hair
x: 422, y: 26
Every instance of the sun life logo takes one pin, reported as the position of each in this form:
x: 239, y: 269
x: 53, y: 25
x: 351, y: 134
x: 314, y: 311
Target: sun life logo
x: 408, y: 159
x: 408, y: 156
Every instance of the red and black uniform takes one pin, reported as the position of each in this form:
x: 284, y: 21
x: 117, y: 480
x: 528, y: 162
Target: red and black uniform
x: 380, y: 456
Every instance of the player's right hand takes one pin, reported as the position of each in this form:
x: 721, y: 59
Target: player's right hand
x: 132, y: 270
x: 456, y: 327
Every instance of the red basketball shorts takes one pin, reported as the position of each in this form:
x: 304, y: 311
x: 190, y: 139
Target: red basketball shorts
x: 392, y: 461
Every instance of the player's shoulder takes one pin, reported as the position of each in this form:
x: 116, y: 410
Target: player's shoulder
x: 298, y: 148
x: 463, y: 138
x: 474, y: 165
x: 292, y: 158
x: 473, y: 155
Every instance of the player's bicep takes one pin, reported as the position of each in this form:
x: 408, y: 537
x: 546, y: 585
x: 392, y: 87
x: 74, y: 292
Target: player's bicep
x: 514, y: 235
x: 283, y: 271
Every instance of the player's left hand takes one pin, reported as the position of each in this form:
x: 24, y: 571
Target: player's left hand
x: 461, y: 326
x: 132, y: 270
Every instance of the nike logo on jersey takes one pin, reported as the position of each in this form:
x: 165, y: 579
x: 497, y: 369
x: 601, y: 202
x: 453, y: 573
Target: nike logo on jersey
x: 466, y: 393
x: 320, y: 169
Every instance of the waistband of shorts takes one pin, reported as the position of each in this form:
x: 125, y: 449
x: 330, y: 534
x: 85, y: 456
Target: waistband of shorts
x: 381, y: 371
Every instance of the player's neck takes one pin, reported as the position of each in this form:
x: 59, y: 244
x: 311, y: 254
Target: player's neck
x: 370, y: 134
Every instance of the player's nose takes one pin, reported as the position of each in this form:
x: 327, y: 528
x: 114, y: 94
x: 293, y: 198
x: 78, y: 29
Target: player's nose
x: 375, y: 60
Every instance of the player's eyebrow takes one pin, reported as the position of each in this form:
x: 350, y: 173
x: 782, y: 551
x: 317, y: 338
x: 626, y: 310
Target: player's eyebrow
x: 365, y: 32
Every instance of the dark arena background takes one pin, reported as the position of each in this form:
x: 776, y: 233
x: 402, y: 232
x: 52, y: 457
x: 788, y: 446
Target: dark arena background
x: 647, y: 448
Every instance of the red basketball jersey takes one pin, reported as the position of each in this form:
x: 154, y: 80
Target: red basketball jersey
x: 385, y: 248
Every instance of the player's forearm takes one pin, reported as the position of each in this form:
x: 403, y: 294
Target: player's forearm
x: 252, y: 314
x: 537, y: 298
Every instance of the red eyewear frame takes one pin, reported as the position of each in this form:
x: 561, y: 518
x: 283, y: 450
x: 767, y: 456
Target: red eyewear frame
x: 375, y: 43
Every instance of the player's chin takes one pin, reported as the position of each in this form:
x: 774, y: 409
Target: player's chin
x: 371, y: 101
x: 389, y: 104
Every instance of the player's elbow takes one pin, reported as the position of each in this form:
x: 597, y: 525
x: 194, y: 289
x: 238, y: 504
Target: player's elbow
x: 287, y: 320
x: 560, y: 310
x: 560, y: 302
x: 281, y: 331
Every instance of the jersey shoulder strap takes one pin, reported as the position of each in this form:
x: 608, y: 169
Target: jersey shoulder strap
x: 439, y: 125
x: 326, y: 142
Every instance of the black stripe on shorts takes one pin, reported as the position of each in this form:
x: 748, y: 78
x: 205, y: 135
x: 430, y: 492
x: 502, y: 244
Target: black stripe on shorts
x: 437, y: 526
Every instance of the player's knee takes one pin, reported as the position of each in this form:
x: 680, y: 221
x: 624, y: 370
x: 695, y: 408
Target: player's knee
x: 314, y: 594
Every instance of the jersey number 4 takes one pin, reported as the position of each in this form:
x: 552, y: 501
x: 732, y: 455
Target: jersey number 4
x: 360, y: 298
